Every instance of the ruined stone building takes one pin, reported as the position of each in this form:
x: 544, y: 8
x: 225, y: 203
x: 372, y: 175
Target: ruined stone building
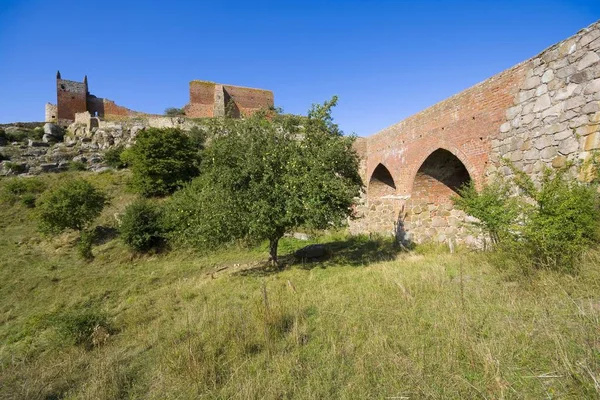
x: 207, y: 99
x: 540, y: 113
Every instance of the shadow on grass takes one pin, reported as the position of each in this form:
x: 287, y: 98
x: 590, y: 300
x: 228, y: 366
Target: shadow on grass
x: 355, y: 251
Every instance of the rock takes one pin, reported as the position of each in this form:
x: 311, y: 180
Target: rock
x: 548, y: 76
x: 568, y: 146
x: 542, y: 103
x: 33, y: 143
x: 48, y: 167
x: 80, y: 158
x: 592, y: 87
x: 590, y: 58
x: 53, y: 130
x: 49, y: 138
x: 300, y: 236
x: 559, y: 162
x: 312, y: 251
x: 574, y: 102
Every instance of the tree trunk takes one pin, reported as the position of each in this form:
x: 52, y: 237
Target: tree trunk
x: 273, y: 243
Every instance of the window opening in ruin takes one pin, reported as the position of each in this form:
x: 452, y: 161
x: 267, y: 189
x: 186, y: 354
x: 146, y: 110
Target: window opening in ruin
x: 62, y: 87
x: 439, y: 177
x: 381, y: 183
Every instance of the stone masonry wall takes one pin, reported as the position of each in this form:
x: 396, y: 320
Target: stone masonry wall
x: 542, y: 112
x: 71, y: 98
x: 555, y: 116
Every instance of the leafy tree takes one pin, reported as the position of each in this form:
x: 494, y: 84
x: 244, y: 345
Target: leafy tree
x: 162, y: 160
x: 174, y: 112
x: 266, y: 175
x: 73, y: 205
x: 141, y: 227
x: 112, y: 157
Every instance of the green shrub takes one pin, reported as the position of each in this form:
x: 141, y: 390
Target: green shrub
x: 493, y: 206
x: 561, y: 224
x: 141, y: 227
x: 77, y: 325
x: 25, y: 190
x: 77, y: 166
x: 174, y: 112
x: 112, y: 157
x: 162, y: 160
x: 550, y: 225
x: 15, y: 167
x: 72, y: 205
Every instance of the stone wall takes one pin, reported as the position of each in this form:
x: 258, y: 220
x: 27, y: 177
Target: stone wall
x: 51, y: 113
x: 542, y: 112
x: 555, y: 116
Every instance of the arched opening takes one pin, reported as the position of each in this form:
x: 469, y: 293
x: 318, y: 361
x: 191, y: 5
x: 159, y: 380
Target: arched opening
x: 430, y: 213
x: 381, y: 182
x: 439, y: 177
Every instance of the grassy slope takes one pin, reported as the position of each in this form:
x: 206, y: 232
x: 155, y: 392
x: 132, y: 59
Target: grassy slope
x: 350, y: 328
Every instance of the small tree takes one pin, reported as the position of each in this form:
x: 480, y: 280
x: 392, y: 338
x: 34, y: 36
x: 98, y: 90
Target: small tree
x: 73, y: 205
x: 162, y: 160
x: 263, y: 177
x: 494, y: 207
x: 174, y: 112
x: 141, y: 227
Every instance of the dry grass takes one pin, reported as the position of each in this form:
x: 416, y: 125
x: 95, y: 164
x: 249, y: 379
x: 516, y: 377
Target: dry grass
x: 431, y: 325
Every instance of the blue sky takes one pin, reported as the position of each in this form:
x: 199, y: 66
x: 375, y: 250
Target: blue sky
x: 386, y: 60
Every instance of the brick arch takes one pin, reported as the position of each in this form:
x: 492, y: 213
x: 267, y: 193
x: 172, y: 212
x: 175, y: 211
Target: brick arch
x: 381, y: 182
x: 414, y: 168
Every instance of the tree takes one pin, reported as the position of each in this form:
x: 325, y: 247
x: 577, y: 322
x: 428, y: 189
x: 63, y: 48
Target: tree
x: 73, y: 205
x: 162, y: 160
x: 266, y: 175
x: 174, y: 112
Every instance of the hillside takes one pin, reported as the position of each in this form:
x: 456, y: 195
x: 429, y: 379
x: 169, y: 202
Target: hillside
x: 370, y: 322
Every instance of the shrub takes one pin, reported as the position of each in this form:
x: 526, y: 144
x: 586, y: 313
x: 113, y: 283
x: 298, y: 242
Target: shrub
x: 77, y: 166
x: 25, y: 190
x: 162, y: 160
x: 174, y: 112
x: 141, y: 227
x: 16, y: 167
x: 549, y: 225
x: 78, y: 325
x: 73, y: 205
x: 494, y: 207
x: 3, y: 157
x: 112, y: 157
x: 562, y: 222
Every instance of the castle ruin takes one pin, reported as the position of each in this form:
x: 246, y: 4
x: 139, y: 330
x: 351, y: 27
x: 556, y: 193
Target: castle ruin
x: 207, y: 99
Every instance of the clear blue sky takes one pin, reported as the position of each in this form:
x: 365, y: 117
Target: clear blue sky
x: 385, y: 59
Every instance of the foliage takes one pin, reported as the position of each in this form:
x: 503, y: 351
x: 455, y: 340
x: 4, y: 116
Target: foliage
x: 561, y: 223
x: 493, y: 206
x: 162, y: 160
x: 85, y: 243
x: 141, y: 227
x: 22, y: 134
x: 77, y: 166
x: 3, y: 157
x: 24, y: 190
x: 73, y: 205
x: 15, y: 167
x: 549, y: 225
x: 264, y: 176
x: 112, y: 157
x: 174, y: 112
x: 78, y: 323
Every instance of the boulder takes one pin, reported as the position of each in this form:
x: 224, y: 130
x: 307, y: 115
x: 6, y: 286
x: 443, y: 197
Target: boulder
x: 312, y: 251
x: 33, y: 143
x: 49, y: 138
x: 53, y: 130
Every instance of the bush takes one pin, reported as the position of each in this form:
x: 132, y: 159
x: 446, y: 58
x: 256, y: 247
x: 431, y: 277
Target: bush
x: 550, y: 225
x: 112, y: 157
x: 3, y: 157
x: 25, y: 190
x: 73, y: 205
x: 141, y: 227
x: 77, y: 166
x: 162, y: 160
x: 174, y: 112
x: 15, y: 167
x: 78, y: 325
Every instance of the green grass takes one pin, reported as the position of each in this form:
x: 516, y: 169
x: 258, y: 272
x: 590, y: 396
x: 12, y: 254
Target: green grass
x: 368, y: 322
